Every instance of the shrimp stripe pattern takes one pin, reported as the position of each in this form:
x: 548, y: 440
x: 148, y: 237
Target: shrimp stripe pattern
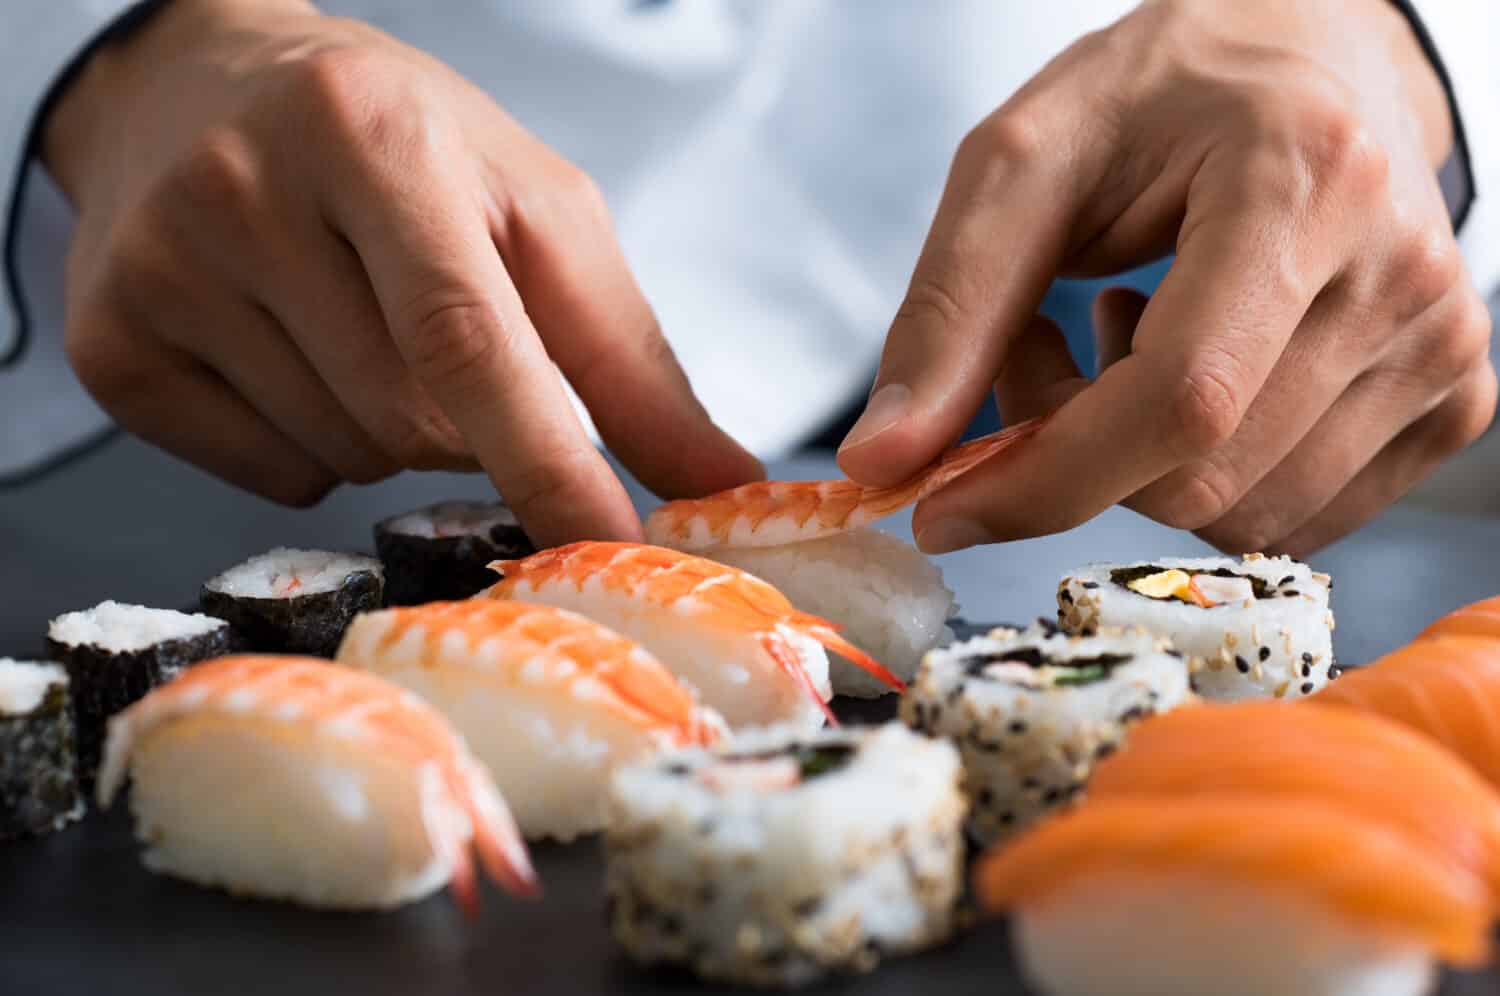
x: 577, y: 656
x: 349, y: 704
x: 681, y: 583
x: 771, y: 513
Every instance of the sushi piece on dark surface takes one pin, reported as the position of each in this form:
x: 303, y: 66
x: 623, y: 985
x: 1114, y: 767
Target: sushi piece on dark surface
x: 38, y: 767
x: 295, y: 601
x: 442, y: 552
x: 115, y: 654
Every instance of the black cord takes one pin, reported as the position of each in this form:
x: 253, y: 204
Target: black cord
x: 1456, y: 176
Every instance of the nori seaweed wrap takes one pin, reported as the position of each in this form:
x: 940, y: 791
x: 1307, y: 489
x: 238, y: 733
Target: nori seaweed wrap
x: 38, y: 766
x: 295, y: 601
x: 442, y: 552
x: 114, y: 654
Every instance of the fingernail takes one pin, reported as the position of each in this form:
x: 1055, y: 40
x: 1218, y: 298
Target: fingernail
x: 886, y: 407
x: 947, y: 535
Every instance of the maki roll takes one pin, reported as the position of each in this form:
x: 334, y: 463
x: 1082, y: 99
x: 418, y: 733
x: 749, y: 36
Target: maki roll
x: 442, y: 552
x: 38, y: 784
x: 295, y: 601
x: 1258, y: 627
x: 785, y: 856
x: 1031, y: 710
x: 116, y: 653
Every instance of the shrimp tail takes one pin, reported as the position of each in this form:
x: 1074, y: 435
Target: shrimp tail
x: 829, y: 637
x: 502, y: 852
x: 462, y: 882
x: 964, y: 458
x: 783, y: 654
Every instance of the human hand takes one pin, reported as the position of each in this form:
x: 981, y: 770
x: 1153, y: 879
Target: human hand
x: 308, y: 254
x: 1317, y: 346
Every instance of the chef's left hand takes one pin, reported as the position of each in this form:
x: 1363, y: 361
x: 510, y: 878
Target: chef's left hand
x: 1317, y: 346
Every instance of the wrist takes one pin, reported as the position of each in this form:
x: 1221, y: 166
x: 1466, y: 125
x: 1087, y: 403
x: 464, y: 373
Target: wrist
x: 88, y: 116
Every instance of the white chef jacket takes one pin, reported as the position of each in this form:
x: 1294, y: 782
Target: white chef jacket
x: 772, y: 166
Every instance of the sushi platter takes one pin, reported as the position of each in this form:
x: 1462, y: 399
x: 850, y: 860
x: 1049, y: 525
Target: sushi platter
x: 313, y: 768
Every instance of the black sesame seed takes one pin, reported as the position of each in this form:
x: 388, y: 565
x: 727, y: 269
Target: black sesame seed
x: 1290, y: 593
x: 1017, y: 726
x: 808, y: 907
x: 1193, y: 685
x: 1307, y: 658
x: 933, y: 712
x: 1286, y: 580
x: 1091, y: 585
x: 985, y: 797
x: 1065, y: 596
x: 1334, y: 671
x: 1174, y: 653
x: 1242, y: 664
x: 1050, y: 796
x: 1105, y: 750
x: 677, y: 769
x: 1265, y: 653
x: 1306, y: 670
x: 1307, y: 688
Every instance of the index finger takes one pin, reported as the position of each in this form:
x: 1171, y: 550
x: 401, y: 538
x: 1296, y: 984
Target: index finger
x: 973, y: 290
x: 461, y: 327
x: 1204, y: 347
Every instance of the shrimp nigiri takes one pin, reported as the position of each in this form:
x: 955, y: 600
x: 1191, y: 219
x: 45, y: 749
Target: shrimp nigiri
x: 1447, y: 687
x: 551, y: 702
x: 731, y: 636
x: 1478, y: 619
x: 1370, y: 767
x: 294, y: 778
x: 812, y: 539
x: 1233, y: 896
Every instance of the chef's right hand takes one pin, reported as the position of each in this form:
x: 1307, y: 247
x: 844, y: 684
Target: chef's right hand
x: 307, y: 253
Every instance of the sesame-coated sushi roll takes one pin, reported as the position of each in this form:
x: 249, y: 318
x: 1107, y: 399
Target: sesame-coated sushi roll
x: 295, y: 601
x: 38, y: 777
x: 115, y: 653
x: 786, y: 856
x: 1255, y: 628
x: 442, y: 552
x: 1031, y: 710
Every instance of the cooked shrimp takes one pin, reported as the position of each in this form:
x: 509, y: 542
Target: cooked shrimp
x: 772, y: 513
x: 730, y: 635
x: 551, y: 702
x: 296, y: 778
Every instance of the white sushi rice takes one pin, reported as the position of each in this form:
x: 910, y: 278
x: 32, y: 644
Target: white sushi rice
x: 778, y: 884
x: 23, y: 684
x: 451, y: 519
x: 271, y: 574
x: 1028, y: 722
x: 118, y: 628
x: 888, y: 597
x: 1140, y: 937
x: 1274, y: 647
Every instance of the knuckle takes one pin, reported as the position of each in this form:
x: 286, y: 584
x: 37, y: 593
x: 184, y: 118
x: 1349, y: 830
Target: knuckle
x: 1425, y: 263
x: 552, y: 482
x: 101, y: 368
x: 583, y: 195
x: 450, y: 335
x: 1339, y: 150
x: 411, y: 442
x: 1458, y: 345
x: 1206, y: 411
x: 218, y: 172
x: 1201, y: 497
x: 1008, y: 140
x: 346, y: 89
x: 1233, y: 536
x: 932, y: 301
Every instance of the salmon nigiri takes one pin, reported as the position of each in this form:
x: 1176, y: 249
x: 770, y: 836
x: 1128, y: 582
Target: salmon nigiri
x: 294, y: 778
x: 1370, y: 767
x: 1447, y: 687
x: 1478, y: 619
x: 551, y: 702
x: 1231, y: 896
x: 731, y: 636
